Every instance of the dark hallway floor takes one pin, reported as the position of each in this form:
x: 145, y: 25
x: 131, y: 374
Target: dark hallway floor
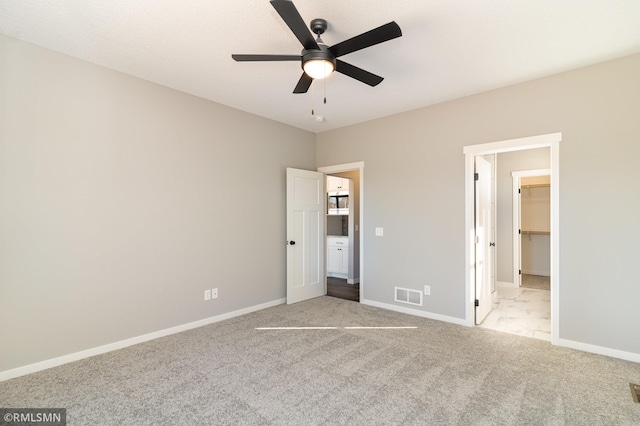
x: 339, y: 288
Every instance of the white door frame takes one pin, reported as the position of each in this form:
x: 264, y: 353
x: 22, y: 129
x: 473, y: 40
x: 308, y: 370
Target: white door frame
x: 551, y: 140
x: 517, y: 246
x: 348, y: 167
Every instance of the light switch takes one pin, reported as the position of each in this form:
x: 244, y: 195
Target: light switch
x: 379, y: 232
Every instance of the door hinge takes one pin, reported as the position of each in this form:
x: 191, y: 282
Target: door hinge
x: 475, y: 176
x: 519, y: 231
x: 477, y: 302
x: 518, y: 190
x: 519, y: 271
x: 492, y: 244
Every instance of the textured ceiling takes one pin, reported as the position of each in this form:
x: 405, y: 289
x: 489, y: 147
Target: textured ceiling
x: 449, y: 49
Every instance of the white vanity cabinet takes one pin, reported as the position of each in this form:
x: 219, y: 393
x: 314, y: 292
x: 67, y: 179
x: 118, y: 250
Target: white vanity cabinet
x: 335, y: 183
x: 337, y: 256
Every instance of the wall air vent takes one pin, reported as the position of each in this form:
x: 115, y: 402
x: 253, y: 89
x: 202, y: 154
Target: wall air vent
x: 405, y: 295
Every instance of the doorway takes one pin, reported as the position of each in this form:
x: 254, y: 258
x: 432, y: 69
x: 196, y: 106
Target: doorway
x: 531, y: 225
x: 521, y: 301
x: 552, y: 142
x: 344, y: 240
x: 340, y: 241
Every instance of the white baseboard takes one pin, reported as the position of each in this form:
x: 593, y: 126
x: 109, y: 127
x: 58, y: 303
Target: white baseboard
x: 600, y: 350
x: 337, y: 275
x: 536, y: 272
x: 416, y: 312
x: 585, y: 347
x: 65, y: 359
x: 353, y: 281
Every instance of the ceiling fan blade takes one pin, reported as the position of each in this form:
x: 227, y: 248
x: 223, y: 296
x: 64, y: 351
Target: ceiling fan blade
x: 358, y: 73
x: 377, y: 35
x: 303, y: 84
x: 288, y: 12
x: 244, y: 58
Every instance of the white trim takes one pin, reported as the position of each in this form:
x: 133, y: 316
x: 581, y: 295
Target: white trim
x: 469, y: 258
x: 337, y: 275
x: 554, y: 268
x: 513, y: 144
x: 347, y: 167
x: 549, y: 140
x: 76, y: 356
x: 531, y: 173
x: 494, y: 224
x: 416, y: 312
x: 537, y: 272
x: 354, y: 281
x: 600, y: 350
x: 515, y: 204
x: 342, y: 167
x: 628, y: 356
x: 516, y: 250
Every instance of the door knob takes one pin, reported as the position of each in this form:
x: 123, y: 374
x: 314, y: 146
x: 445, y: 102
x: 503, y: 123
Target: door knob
x: 291, y: 243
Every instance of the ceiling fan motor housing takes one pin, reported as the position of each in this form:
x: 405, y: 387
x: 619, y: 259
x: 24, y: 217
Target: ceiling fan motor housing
x: 324, y: 54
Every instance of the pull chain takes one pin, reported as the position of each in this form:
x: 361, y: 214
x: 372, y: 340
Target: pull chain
x: 313, y: 112
x: 324, y: 100
x: 325, y: 90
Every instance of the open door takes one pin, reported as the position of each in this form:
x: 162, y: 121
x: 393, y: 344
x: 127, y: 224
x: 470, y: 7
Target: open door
x: 517, y: 246
x: 305, y: 235
x: 483, y: 236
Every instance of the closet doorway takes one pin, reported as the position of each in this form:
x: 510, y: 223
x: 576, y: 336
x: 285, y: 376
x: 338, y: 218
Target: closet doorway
x: 532, y: 228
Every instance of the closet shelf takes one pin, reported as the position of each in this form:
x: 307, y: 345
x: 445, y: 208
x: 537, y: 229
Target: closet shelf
x: 535, y: 232
x: 536, y: 185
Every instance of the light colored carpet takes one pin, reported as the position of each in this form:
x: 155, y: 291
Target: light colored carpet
x: 537, y: 282
x: 231, y: 373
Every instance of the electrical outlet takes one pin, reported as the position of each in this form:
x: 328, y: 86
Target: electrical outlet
x: 214, y: 293
x: 427, y: 290
x: 207, y: 295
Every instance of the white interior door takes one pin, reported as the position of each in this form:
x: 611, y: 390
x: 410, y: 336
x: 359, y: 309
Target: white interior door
x: 305, y: 235
x: 518, y: 246
x: 483, y: 236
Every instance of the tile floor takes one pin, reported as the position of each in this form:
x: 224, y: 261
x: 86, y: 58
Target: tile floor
x: 521, y: 311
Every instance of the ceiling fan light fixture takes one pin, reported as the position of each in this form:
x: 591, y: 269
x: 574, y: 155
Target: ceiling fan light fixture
x: 318, y: 68
x: 318, y: 63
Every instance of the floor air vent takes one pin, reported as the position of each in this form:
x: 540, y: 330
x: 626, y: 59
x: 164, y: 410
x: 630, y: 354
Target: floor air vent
x: 405, y: 295
x: 635, y: 392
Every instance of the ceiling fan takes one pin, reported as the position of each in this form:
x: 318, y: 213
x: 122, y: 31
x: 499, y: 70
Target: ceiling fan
x: 317, y: 59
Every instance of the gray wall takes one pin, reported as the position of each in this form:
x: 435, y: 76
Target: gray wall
x: 414, y: 188
x: 508, y: 162
x: 121, y: 201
